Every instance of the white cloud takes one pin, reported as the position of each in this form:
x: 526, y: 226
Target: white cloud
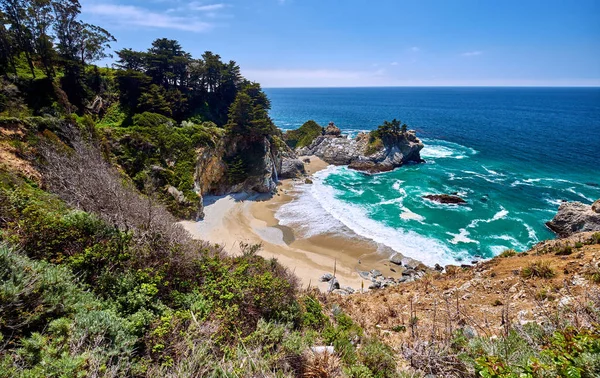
x: 197, y: 6
x: 394, y: 64
x: 414, y: 49
x: 129, y: 15
x: 472, y: 53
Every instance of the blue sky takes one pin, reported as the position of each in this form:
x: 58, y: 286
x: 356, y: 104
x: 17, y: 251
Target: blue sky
x: 316, y: 43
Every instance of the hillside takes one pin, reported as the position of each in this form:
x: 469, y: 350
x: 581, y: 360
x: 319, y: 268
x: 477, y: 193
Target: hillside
x: 98, y: 279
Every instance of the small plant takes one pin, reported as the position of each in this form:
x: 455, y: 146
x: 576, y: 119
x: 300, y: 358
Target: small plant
x: 508, y: 253
x: 593, y: 274
x: 594, y: 239
x: 399, y: 328
x: 543, y: 295
x: 539, y: 269
x: 564, y: 251
x: 579, y: 245
x: 497, y: 303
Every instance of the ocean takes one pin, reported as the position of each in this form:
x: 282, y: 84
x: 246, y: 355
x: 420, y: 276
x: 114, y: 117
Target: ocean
x: 512, y: 153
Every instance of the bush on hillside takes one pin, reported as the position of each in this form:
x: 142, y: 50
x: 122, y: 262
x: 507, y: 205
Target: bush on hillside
x: 304, y: 135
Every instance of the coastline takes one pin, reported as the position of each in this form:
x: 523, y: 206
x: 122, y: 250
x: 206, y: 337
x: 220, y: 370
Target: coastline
x: 250, y: 218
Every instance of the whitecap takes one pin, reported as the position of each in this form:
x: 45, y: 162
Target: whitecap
x: 318, y: 210
x: 461, y: 237
x: 499, y: 215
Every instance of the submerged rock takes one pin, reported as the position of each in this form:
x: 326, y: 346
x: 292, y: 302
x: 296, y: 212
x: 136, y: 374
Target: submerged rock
x: 445, y: 198
x: 573, y: 217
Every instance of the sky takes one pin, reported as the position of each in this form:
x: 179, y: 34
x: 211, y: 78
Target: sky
x: 353, y: 43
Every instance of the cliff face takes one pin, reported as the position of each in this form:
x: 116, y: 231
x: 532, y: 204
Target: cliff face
x: 237, y: 164
x: 573, y: 217
x: 340, y: 150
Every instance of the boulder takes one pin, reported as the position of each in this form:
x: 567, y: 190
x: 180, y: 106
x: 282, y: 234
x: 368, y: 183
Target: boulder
x: 364, y: 275
x: 326, y: 277
x: 574, y: 217
x: 308, y: 181
x: 291, y: 168
x: 334, y: 284
x: 445, y: 198
x: 596, y: 207
x: 375, y: 273
x: 375, y: 285
x: 332, y: 130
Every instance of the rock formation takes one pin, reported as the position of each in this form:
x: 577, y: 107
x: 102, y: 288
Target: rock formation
x: 260, y: 162
x: 340, y: 150
x: 573, y: 217
x: 445, y: 198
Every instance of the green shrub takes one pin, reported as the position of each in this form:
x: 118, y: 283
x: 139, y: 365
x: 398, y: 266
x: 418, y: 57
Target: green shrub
x: 539, y: 269
x: 564, y: 251
x: 304, y: 135
x: 378, y: 357
x: 61, y: 329
x: 508, y: 253
x: 313, y: 316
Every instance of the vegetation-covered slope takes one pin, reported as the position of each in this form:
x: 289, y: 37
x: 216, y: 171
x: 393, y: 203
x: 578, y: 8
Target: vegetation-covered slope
x: 98, y: 280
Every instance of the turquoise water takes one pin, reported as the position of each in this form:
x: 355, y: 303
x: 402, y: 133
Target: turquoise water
x: 512, y: 153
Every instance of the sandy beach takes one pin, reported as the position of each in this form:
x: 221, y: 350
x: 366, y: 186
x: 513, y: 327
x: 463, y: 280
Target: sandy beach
x: 250, y: 218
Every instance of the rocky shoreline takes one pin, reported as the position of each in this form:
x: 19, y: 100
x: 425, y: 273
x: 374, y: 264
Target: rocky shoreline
x: 360, y: 154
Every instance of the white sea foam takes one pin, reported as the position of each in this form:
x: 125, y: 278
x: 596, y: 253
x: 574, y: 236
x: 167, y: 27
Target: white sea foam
x: 461, y: 237
x: 499, y: 215
x: 407, y: 214
x: 328, y: 213
x: 572, y: 190
x: 531, y: 232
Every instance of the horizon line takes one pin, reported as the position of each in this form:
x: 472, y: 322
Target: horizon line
x: 435, y: 86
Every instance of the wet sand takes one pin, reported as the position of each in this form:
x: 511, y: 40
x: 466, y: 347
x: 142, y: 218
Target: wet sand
x: 245, y: 218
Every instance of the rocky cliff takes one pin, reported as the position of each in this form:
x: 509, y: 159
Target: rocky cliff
x: 573, y: 217
x: 362, y: 154
x: 238, y: 164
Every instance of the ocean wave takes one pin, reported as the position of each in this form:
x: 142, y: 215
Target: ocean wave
x: 318, y: 209
x: 499, y: 215
x: 461, y: 237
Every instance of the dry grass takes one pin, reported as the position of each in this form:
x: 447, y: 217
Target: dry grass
x: 322, y: 365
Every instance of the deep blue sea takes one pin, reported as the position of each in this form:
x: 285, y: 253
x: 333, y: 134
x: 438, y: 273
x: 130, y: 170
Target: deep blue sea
x: 512, y: 153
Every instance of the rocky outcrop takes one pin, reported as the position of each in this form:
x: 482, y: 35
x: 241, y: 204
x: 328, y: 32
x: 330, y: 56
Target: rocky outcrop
x: 445, y: 198
x: 573, y: 217
x: 332, y: 130
x: 340, y: 150
x: 240, y: 164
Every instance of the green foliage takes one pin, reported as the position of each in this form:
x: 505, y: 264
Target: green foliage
x: 248, y: 114
x: 564, y: 250
x: 304, y: 135
x: 156, y: 154
x: 45, y: 228
x: 508, y: 253
x: 378, y: 358
x: 57, y: 328
x: 539, y: 269
x: 313, y: 316
x: 243, y: 289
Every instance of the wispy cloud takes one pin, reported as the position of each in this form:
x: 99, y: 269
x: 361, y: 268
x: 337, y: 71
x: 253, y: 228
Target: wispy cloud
x: 129, y: 15
x: 197, y: 6
x: 394, y: 64
x: 414, y: 49
x: 472, y: 53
